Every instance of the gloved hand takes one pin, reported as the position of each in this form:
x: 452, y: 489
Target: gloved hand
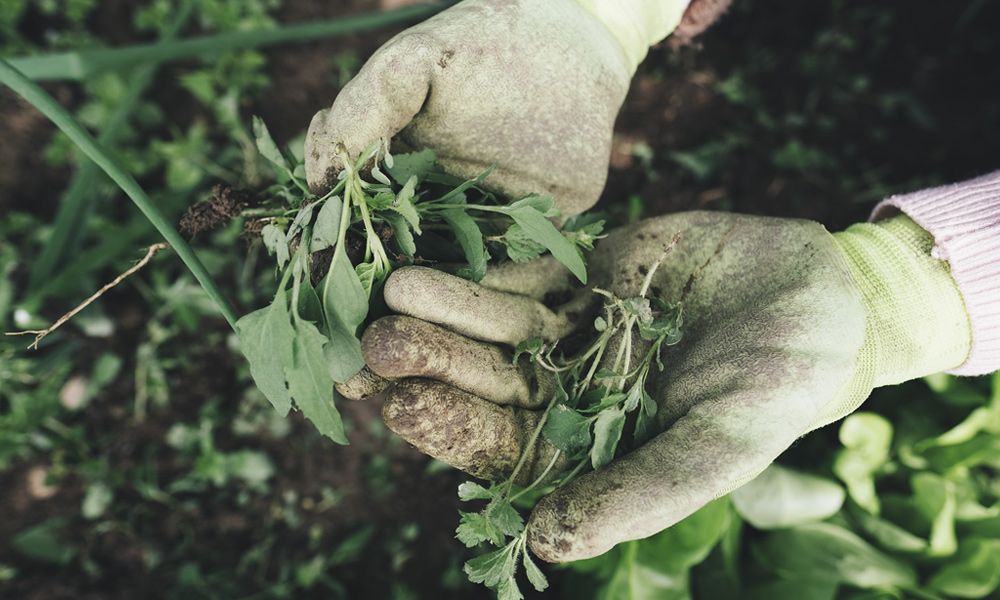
x: 533, y: 85
x: 787, y: 328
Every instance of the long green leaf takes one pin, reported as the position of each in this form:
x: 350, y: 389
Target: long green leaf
x: 41, y: 100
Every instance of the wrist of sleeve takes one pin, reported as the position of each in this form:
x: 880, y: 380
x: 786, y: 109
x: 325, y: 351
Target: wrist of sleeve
x: 964, y: 220
x: 637, y: 24
x: 917, y: 322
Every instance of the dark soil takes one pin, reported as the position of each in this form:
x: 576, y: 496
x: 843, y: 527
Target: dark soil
x: 906, y: 98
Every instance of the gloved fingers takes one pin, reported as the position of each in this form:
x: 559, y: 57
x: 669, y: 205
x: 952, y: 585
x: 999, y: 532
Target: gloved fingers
x: 477, y: 436
x: 398, y: 346
x: 381, y: 99
x: 363, y: 386
x: 717, y: 444
x: 473, y: 310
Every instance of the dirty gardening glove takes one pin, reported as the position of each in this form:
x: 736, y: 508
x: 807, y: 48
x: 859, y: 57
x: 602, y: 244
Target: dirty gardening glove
x: 533, y: 85
x: 786, y: 328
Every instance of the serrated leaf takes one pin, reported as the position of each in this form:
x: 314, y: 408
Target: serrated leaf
x: 520, y: 247
x: 266, y: 337
x: 470, y: 238
x: 541, y: 230
x: 505, y: 517
x: 607, y: 433
x: 413, y: 164
x: 381, y: 200
x: 326, y: 230
x: 475, y: 528
x: 530, y: 347
x: 493, y: 567
x: 310, y: 383
x: 266, y: 145
x: 274, y: 241
x: 567, y: 429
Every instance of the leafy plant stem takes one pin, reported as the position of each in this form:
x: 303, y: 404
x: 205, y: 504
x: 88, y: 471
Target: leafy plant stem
x: 41, y: 100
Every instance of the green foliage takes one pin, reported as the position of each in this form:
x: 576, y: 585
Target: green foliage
x: 300, y: 345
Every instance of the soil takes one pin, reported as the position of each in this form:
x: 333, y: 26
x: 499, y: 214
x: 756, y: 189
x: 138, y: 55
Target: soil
x: 924, y: 108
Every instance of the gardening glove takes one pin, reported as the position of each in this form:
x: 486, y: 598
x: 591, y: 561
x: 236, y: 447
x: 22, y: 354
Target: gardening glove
x: 532, y: 85
x: 786, y: 328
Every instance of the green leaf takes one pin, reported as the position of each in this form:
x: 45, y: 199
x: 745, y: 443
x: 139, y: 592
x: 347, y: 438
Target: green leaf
x: 342, y: 353
x: 827, y: 552
x: 567, y: 429
x: 520, y: 247
x: 470, y: 238
x: 935, y: 497
x: 266, y: 146
x: 413, y: 164
x: 404, y: 205
x: 475, y: 528
x: 505, y: 517
x: 542, y: 204
x: 470, y: 490
x: 97, y: 500
x: 607, y: 432
x: 535, y: 575
x: 887, y: 534
x: 326, y: 230
x: 301, y: 221
x: 41, y: 542
x: 493, y: 567
x: 274, y: 241
x: 460, y: 188
x: 401, y: 233
x: 366, y: 275
x: 266, y: 340
x: 781, y: 497
x: 530, y: 347
x: 974, y: 573
x: 541, y: 230
x: 381, y: 200
x: 310, y: 383
x: 344, y: 299
x: 866, y: 438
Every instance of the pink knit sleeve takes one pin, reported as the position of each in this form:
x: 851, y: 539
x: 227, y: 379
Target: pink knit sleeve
x: 964, y: 219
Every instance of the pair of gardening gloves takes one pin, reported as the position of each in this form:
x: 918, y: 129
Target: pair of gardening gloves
x: 786, y: 327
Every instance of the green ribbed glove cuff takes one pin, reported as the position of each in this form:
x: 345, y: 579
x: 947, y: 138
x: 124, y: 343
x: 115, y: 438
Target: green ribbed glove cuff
x: 637, y: 24
x: 917, y: 321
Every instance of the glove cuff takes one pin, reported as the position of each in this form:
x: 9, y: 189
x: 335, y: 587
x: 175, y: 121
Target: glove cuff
x: 637, y: 24
x: 917, y: 320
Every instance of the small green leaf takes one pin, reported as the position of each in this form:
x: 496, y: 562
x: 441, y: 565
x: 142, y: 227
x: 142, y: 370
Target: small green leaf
x: 413, y: 164
x: 344, y: 298
x: 470, y: 490
x: 381, y: 201
x: 541, y: 230
x: 326, y: 230
x: 97, y: 500
x: 401, y: 233
x: 607, y: 432
x: 277, y: 246
x: 520, y: 247
x: 974, y: 573
x: 781, y: 497
x: 535, y: 575
x: 470, y: 238
x: 866, y: 438
x: 475, y: 528
x: 542, y: 204
x: 494, y: 567
x: 600, y: 324
x: 404, y: 204
x: 460, y: 188
x: 41, y: 542
x: 310, y: 383
x: 301, y: 221
x: 530, y: 347
x: 505, y: 517
x: 366, y: 275
x: 342, y: 353
x: 266, y: 146
x: 567, y: 429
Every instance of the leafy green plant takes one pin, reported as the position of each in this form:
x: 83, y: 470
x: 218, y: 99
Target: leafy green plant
x: 308, y: 338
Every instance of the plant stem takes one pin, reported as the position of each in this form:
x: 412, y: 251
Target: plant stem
x: 82, y: 65
x: 41, y: 100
